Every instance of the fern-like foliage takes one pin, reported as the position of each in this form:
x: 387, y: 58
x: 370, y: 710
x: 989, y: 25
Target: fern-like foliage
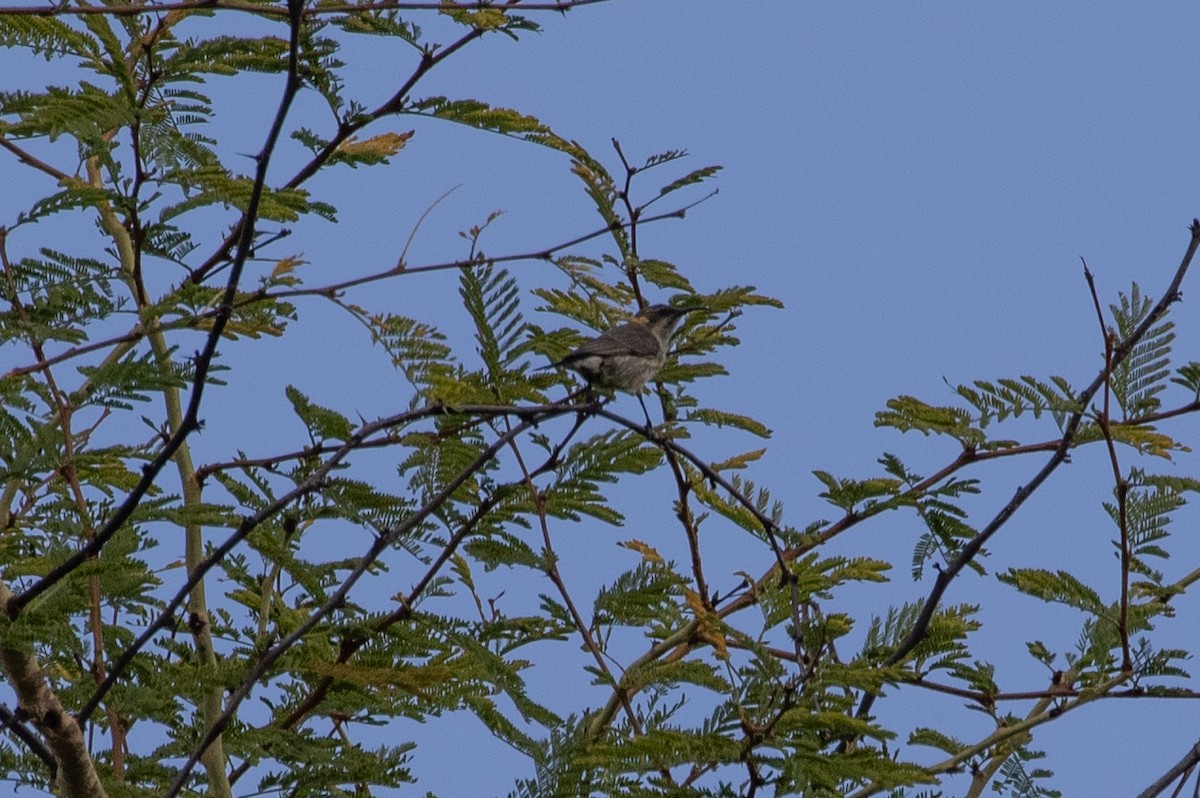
x: 1016, y: 780
x: 997, y: 401
x: 389, y: 558
x: 588, y: 465
x: 907, y: 413
x: 1150, y: 502
x: 1137, y: 380
x: 491, y: 297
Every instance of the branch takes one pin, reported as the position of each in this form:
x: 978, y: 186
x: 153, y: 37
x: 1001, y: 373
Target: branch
x: 533, y: 414
x: 1179, y: 770
x: 770, y: 528
x: 1003, y: 734
x: 203, y: 361
x: 537, y: 498
x: 63, y: 733
x: 338, y: 598
x: 1120, y: 484
x: 971, y: 549
x: 538, y: 254
x: 27, y: 158
x: 279, y: 12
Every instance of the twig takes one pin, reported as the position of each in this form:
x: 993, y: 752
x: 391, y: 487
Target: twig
x: 539, y: 254
x: 27, y: 158
x: 1177, y: 771
x: 1121, y: 484
x: 336, y: 599
x: 11, y: 721
x: 258, y: 9
x: 138, y: 332
x: 971, y: 549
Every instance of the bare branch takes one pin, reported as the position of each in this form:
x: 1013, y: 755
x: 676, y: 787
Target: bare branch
x: 203, y: 360
x: 1179, y: 770
x: 279, y: 11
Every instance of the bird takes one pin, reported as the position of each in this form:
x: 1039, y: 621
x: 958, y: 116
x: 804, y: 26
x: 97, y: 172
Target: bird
x: 629, y: 355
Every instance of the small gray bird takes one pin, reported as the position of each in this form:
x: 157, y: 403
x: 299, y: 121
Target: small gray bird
x: 629, y: 355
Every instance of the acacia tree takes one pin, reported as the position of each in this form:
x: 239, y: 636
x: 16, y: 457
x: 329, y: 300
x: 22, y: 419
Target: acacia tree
x: 319, y: 598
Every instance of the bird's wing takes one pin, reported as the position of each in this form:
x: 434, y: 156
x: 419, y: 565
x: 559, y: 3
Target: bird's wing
x: 596, y: 347
x: 634, y: 339
x: 617, y: 341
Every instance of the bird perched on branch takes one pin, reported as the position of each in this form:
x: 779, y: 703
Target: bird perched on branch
x: 629, y: 355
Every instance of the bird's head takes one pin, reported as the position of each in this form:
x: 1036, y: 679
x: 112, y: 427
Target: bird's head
x: 662, y: 318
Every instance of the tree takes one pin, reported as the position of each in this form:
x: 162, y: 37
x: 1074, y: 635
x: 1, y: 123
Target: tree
x: 184, y: 614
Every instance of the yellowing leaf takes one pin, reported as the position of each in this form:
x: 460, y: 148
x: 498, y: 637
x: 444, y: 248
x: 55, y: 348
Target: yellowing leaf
x: 285, y: 266
x: 708, y: 624
x: 382, y: 146
x: 649, y: 554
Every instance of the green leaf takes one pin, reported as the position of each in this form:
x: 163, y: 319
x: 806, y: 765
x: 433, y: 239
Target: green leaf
x: 1139, y: 378
x: 720, y: 418
x: 588, y: 465
x: 739, y: 461
x: 213, y: 185
x: 377, y: 149
x: 690, y: 179
x: 47, y: 36
x: 1058, y: 587
x: 997, y: 401
x: 907, y: 413
x: 226, y: 55
x: 88, y: 114
x: 491, y: 296
x: 480, y: 115
x: 323, y: 423
x: 847, y: 494
x: 1189, y: 377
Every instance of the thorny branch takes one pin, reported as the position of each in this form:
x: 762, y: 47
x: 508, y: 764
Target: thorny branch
x: 278, y: 11
x: 338, y: 599
x: 1121, y: 484
x: 1119, y: 353
x: 139, y: 332
x: 678, y: 644
x: 202, y: 360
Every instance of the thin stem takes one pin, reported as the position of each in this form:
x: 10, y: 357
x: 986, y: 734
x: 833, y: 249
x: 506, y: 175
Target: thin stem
x: 203, y: 360
x: 272, y: 11
x: 1121, y: 484
x: 337, y: 599
x: 1179, y: 770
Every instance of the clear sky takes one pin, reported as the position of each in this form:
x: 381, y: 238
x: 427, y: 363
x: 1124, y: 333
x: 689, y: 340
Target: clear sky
x: 917, y: 182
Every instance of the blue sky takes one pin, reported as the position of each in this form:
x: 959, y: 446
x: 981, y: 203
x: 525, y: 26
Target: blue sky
x: 916, y: 182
